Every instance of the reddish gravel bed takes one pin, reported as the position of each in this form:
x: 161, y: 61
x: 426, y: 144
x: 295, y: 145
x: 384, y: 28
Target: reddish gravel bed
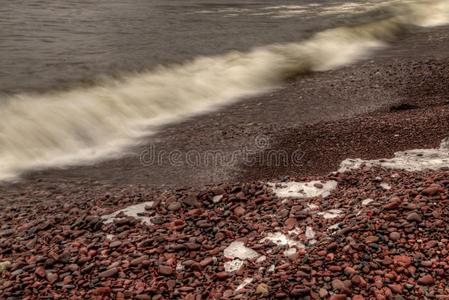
x: 396, y: 247
x: 323, y: 146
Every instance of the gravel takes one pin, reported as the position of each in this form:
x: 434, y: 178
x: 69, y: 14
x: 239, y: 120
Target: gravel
x: 60, y: 244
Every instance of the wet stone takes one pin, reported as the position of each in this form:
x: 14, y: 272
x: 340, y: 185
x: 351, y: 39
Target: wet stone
x: 108, y: 273
x: 165, y: 270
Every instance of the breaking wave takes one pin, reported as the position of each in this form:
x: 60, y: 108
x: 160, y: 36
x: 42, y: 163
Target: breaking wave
x: 87, y: 124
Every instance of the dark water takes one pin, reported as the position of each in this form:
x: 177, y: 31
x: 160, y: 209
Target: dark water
x: 54, y: 44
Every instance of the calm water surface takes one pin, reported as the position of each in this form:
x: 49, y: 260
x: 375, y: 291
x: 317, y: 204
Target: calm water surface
x: 54, y: 44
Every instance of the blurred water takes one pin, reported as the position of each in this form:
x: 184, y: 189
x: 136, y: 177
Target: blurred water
x: 46, y: 44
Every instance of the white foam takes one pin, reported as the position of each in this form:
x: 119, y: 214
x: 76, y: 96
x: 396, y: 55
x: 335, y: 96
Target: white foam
x: 303, y: 189
x: 331, y: 213
x: 367, y: 201
x: 237, y: 249
x: 310, y: 234
x: 245, y: 282
x: 334, y: 227
x: 261, y: 259
x: 289, y: 252
x: 130, y: 211
x: 233, y: 265
x: 179, y: 267
x: 294, y: 231
x: 412, y: 160
x: 312, y: 206
x: 280, y: 239
x: 385, y: 186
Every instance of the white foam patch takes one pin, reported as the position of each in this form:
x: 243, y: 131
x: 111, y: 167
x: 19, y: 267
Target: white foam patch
x: 331, y: 213
x: 412, y: 160
x: 179, y: 267
x: 294, y: 231
x: 233, y: 265
x: 303, y: 189
x: 334, y: 227
x: 261, y: 259
x: 310, y: 234
x: 280, y: 239
x: 239, y: 252
x: 131, y: 211
x: 312, y: 206
x: 245, y: 282
x: 385, y: 186
x: 289, y: 252
x: 367, y: 201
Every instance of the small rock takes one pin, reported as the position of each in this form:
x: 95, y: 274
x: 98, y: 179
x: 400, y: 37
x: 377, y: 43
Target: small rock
x: 222, y: 275
x: 52, y: 277
x: 108, y: 273
x: 4, y: 265
x: 432, y: 190
x: 262, y: 289
x: 403, y: 260
x: 165, y: 270
x: 158, y: 220
x: 337, y: 284
x: 239, y: 211
x: 217, y: 198
x: 40, y: 271
x: 393, y: 203
x: 335, y: 269
x: 139, y: 260
x: 396, y: 288
x: 426, y: 280
x: 17, y: 272
x: 241, y: 196
x: 371, y: 239
x: 290, y: 223
x: 349, y: 271
x: 338, y: 297
x: 414, y: 217
x: 207, y: 261
x: 174, y: 206
x: 192, y: 246
x: 394, y: 236
x: 192, y: 201
x: 103, y: 290
x: 115, y: 244
x: 318, y: 185
x: 323, y: 293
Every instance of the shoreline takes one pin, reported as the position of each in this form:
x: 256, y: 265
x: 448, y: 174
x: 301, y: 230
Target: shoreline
x: 57, y: 242
x: 386, y: 89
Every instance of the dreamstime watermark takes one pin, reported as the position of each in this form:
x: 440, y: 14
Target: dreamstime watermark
x: 259, y: 153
